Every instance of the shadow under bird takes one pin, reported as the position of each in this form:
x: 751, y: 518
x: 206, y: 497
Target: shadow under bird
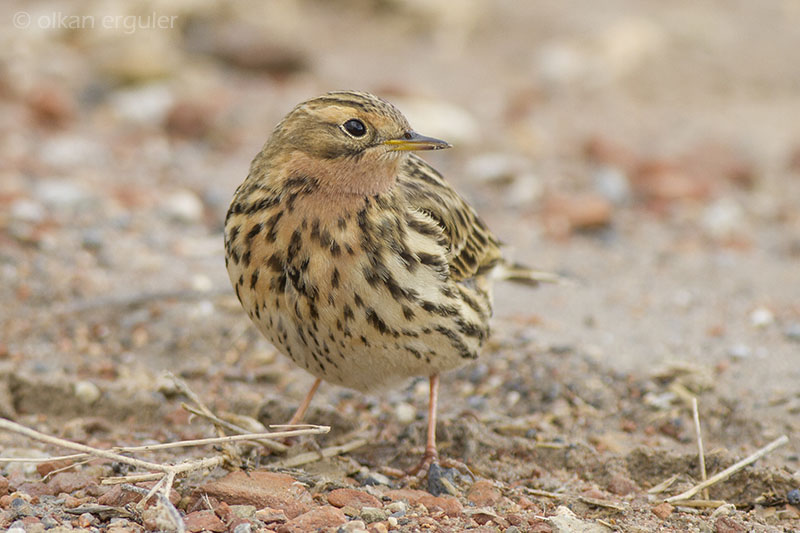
x: 355, y: 258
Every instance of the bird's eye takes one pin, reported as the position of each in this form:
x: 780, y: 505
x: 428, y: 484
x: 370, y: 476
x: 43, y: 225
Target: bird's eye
x: 355, y: 127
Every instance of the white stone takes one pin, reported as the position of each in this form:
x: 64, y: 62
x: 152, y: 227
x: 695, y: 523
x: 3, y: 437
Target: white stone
x: 27, y: 211
x: 761, y: 317
x: 723, y: 218
x: 147, y: 104
x: 87, y: 392
x: 565, y: 521
x: 62, y: 193
x: 405, y: 413
x: 183, y: 206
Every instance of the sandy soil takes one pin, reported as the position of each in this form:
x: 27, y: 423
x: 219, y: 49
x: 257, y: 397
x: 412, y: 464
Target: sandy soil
x: 650, y: 151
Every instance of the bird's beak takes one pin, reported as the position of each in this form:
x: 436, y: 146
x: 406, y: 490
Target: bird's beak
x: 411, y: 140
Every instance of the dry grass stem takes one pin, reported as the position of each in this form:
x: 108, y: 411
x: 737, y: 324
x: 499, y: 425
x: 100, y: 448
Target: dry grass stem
x: 551, y: 445
x: 696, y: 417
x: 603, y: 503
x: 272, y: 446
x: 189, y: 393
x: 203, y: 411
x: 664, y: 485
x: 310, y: 457
x: 64, y: 468
x: 13, y: 427
x: 132, y: 478
x: 544, y: 493
x: 312, y: 430
x: 305, y: 430
x: 700, y: 504
x: 164, y: 473
x: 74, y: 456
x: 780, y: 441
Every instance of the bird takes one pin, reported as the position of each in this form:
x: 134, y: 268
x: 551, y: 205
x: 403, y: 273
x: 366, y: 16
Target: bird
x: 356, y: 259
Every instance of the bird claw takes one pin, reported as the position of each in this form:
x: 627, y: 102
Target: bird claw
x: 431, y: 457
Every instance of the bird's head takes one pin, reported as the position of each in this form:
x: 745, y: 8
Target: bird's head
x: 352, y: 142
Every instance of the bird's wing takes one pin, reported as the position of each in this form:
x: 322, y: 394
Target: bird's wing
x: 471, y: 247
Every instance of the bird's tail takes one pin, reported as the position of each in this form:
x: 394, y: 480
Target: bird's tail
x: 527, y: 276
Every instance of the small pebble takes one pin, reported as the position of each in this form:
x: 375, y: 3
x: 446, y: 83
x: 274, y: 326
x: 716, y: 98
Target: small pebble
x: 379, y: 527
x: 496, y: 167
x: 441, y: 480
x: 405, y: 413
x: 392, y: 521
x: 662, y: 510
x: 147, y: 104
x: 397, y: 508
x: 478, y: 373
x: 723, y: 218
x: 723, y: 510
x: 740, y: 351
x: 60, y: 194
x: 613, y: 184
x: 92, y: 239
x: 476, y: 402
x: 67, y: 151
x: 201, y: 282
x: 27, y: 211
x: 525, y: 190
x: 512, y: 398
x: 87, y: 392
x: 183, y: 206
x: 793, y: 497
x: 49, y: 522
x: 21, y: 508
x: 243, y: 511
x: 372, y: 514
x: 244, y: 527
x: 761, y: 317
x: 792, y: 332
x: 86, y: 520
x: 353, y: 526
x: 376, y: 478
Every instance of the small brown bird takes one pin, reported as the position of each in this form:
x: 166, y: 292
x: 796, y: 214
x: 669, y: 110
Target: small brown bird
x: 355, y: 258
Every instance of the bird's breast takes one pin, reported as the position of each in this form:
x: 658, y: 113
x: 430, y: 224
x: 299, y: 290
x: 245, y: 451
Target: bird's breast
x: 359, y: 299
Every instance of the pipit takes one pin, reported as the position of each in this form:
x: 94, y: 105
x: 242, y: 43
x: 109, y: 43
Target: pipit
x: 355, y: 258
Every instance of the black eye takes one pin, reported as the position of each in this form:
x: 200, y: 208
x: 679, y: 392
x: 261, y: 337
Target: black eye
x: 355, y: 127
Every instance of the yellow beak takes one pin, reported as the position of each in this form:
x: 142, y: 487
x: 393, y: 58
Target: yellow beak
x: 412, y: 140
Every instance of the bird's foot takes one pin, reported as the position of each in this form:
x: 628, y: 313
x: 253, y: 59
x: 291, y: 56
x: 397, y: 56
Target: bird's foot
x: 421, y: 470
x: 441, y: 476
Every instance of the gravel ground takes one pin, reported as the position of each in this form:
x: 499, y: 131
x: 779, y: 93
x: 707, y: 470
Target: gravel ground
x: 650, y: 151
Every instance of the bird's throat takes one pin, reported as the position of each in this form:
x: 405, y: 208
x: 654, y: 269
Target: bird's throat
x: 367, y: 174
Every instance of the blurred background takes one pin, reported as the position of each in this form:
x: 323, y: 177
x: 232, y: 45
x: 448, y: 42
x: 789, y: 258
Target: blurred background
x: 648, y: 149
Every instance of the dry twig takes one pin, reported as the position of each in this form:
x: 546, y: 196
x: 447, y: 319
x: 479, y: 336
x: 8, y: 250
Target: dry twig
x: 696, y: 416
x: 780, y: 441
x: 597, y: 502
x: 664, y: 485
x: 273, y: 446
x: 700, y: 504
x: 310, y: 457
x: 164, y: 473
x: 543, y: 493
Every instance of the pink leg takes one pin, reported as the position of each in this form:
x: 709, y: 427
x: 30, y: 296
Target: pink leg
x: 298, y: 415
x: 431, y: 455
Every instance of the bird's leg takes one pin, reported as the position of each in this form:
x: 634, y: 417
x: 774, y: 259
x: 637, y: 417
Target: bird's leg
x: 298, y: 415
x: 303, y: 407
x: 431, y: 455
